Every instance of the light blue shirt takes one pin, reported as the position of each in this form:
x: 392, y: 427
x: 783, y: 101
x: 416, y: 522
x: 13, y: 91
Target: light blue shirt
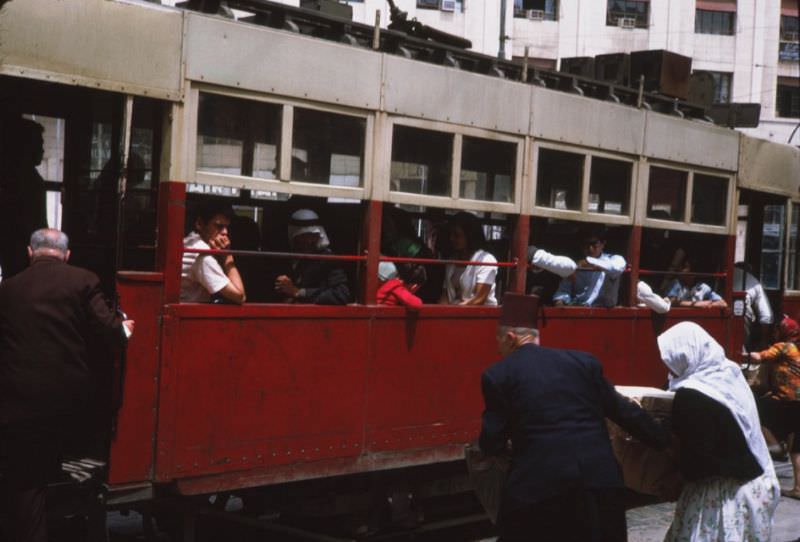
x: 699, y: 292
x: 593, y: 288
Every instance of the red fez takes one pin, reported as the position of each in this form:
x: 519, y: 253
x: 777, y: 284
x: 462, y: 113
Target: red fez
x: 519, y: 310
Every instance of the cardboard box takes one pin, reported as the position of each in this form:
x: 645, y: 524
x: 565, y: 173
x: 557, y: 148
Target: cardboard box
x: 645, y: 470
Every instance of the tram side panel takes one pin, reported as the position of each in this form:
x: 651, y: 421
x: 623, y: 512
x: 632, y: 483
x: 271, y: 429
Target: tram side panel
x: 132, y: 446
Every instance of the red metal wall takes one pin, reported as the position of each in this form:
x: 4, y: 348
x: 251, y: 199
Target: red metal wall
x: 264, y: 394
x: 133, y: 445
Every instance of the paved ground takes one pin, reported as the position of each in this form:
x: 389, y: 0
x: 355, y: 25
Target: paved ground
x: 650, y: 523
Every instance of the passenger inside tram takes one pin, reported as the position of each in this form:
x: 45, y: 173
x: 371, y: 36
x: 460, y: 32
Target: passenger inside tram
x: 22, y: 190
x: 394, y: 290
x: 686, y: 291
x: 399, y: 239
x: 210, y: 277
x: 596, y: 281
x: 321, y: 282
x: 469, y: 284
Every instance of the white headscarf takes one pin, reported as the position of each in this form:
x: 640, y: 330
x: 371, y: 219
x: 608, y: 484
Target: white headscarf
x: 307, y: 221
x: 700, y: 364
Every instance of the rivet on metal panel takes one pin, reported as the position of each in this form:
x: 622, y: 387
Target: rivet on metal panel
x: 302, y: 450
x: 272, y: 89
x: 289, y: 452
x: 305, y: 94
x: 316, y: 450
x: 244, y: 458
x: 238, y: 84
x: 259, y: 456
x: 274, y: 454
x: 355, y: 445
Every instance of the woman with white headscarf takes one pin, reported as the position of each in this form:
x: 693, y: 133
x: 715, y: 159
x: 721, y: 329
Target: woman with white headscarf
x: 731, y: 490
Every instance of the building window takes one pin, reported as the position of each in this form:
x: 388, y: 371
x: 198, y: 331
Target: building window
x: 715, y: 17
x: 789, y: 49
x: 538, y: 10
x: 444, y: 5
x: 787, y: 103
x: 722, y: 87
x: 628, y: 13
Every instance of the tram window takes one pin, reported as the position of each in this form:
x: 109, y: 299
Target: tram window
x: 328, y: 148
x: 487, y: 169
x: 792, y: 254
x: 666, y: 194
x: 609, y: 186
x: 709, y: 197
x: 238, y: 137
x: 559, y: 179
x: 421, y: 161
x: 566, y: 238
x: 772, y: 246
x: 663, y: 253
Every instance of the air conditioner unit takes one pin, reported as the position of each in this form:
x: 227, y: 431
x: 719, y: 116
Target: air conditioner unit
x: 626, y: 22
x: 447, y: 5
x: 536, y: 15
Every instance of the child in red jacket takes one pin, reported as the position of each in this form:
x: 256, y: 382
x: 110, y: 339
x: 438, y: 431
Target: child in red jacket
x: 393, y: 290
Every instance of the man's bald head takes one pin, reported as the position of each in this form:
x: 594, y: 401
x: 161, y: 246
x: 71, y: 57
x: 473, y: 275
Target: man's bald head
x: 49, y: 242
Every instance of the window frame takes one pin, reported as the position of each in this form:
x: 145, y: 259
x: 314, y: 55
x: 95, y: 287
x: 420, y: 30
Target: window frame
x: 382, y: 190
x: 283, y: 184
x: 686, y: 224
x: 788, y: 252
x: 582, y: 214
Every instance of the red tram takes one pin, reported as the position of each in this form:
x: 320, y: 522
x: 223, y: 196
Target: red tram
x: 223, y: 398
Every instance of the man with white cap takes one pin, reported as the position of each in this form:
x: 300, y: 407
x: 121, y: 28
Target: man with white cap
x: 322, y: 282
x: 564, y: 483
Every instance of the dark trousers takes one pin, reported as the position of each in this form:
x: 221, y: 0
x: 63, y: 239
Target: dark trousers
x: 581, y: 515
x: 30, y: 458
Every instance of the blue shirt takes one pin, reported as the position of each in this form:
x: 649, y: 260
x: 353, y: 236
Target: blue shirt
x: 699, y: 292
x: 590, y: 288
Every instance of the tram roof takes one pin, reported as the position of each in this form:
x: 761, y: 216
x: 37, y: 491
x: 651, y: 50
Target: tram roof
x: 145, y: 49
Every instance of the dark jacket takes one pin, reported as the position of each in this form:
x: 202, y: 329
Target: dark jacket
x: 48, y: 314
x: 712, y: 443
x: 323, y: 282
x: 552, y: 404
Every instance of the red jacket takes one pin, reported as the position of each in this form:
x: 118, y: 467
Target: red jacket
x: 394, y: 292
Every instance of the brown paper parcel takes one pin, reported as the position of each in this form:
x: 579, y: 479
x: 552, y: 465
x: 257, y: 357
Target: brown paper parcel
x: 644, y: 469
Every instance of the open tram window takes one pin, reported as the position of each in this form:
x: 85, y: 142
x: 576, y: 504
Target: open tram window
x: 411, y: 231
x: 238, y: 137
x: 568, y: 238
x: 609, y: 186
x: 266, y: 225
x: 666, y: 194
x: 328, y: 148
x: 559, y: 182
x: 421, y: 161
x: 709, y: 199
x: 487, y: 169
x: 667, y: 255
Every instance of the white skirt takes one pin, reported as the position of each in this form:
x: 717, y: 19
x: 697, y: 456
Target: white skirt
x: 723, y: 510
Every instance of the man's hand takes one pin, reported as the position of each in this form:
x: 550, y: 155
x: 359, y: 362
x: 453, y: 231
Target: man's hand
x: 221, y: 242
x: 285, y: 287
x: 128, y: 325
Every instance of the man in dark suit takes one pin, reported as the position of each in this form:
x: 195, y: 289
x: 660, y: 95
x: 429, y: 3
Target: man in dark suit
x: 49, y: 314
x: 564, y: 483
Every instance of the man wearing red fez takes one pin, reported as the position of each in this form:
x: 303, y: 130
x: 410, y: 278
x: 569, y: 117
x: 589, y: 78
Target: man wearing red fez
x: 564, y: 483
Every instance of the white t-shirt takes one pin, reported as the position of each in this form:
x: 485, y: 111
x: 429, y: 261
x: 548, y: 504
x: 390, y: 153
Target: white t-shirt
x: 463, y: 287
x: 201, y: 274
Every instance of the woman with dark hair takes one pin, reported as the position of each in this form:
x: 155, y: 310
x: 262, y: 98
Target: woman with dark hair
x: 469, y: 284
